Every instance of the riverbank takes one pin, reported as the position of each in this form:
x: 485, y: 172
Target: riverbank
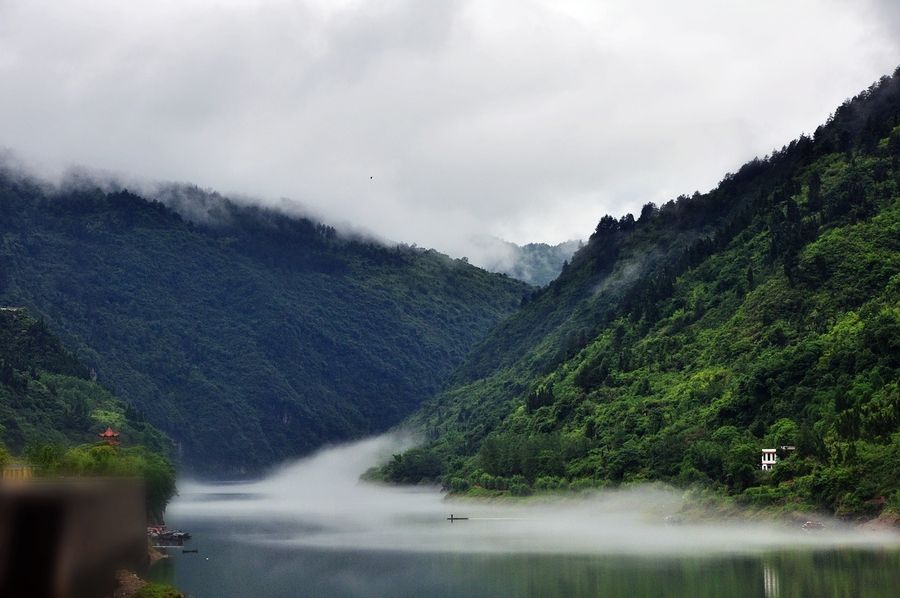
x: 132, y: 586
x: 313, y: 524
x: 697, y: 505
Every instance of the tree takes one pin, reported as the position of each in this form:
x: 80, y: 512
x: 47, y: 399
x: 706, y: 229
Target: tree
x: 7, y: 374
x: 648, y: 212
x: 5, y: 456
x: 741, y: 465
x: 606, y: 226
x: 707, y: 457
x: 45, y: 457
x: 539, y: 397
x: 783, y: 432
x: 100, y: 459
x: 814, y: 195
x: 809, y: 444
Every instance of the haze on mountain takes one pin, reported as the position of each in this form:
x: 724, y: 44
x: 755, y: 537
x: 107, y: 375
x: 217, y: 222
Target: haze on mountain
x: 677, y: 344
x: 534, y: 263
x: 259, y: 323
x: 431, y: 122
x: 246, y: 335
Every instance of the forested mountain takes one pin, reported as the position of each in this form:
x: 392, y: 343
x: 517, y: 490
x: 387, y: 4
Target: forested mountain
x: 678, y: 344
x: 246, y: 335
x: 51, y: 410
x: 47, y: 397
x: 540, y: 263
x: 534, y: 263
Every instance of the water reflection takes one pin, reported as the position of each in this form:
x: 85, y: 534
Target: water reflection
x: 770, y: 581
x: 238, y: 569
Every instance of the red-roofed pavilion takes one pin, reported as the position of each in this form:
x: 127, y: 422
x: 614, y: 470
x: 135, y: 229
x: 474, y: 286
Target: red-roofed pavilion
x: 110, y: 436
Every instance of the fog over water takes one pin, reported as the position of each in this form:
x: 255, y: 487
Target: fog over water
x: 319, y: 502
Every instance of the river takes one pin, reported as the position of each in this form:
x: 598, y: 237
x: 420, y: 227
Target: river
x: 312, y: 529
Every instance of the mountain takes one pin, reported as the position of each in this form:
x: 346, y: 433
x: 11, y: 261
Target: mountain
x: 48, y: 397
x: 540, y: 263
x: 52, y: 408
x: 247, y: 335
x: 535, y: 263
x: 678, y: 344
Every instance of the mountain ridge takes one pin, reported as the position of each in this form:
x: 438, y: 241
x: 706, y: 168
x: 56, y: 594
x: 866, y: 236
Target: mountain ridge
x: 248, y: 342
x: 535, y: 263
x: 677, y: 344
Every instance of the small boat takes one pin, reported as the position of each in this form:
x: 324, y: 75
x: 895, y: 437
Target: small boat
x: 174, y: 534
x: 453, y: 518
x: 812, y: 526
x: 167, y: 537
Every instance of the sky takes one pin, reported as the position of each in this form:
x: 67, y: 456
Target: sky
x: 432, y: 122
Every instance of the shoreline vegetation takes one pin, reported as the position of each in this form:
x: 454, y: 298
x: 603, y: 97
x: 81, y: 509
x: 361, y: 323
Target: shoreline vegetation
x: 52, y: 411
x: 100, y: 460
x: 700, y: 505
x: 680, y: 343
x: 130, y: 585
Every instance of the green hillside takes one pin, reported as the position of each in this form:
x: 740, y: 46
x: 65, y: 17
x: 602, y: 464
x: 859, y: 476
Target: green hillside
x: 48, y: 398
x: 51, y: 411
x: 678, y: 344
x: 246, y: 335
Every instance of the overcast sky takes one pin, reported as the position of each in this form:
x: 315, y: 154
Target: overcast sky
x: 524, y: 119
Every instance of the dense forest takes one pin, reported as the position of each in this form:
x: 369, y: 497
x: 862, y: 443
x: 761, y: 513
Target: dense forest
x: 51, y: 411
x: 680, y: 342
x: 246, y: 335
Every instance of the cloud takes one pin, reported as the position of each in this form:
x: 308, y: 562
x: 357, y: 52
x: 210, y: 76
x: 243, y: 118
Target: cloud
x: 432, y: 122
x: 888, y: 13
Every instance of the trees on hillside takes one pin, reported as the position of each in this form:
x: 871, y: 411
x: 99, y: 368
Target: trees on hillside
x: 761, y: 314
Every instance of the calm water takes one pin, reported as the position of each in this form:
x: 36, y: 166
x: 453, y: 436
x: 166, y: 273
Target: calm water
x: 312, y: 530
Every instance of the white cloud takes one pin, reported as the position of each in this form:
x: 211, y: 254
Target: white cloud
x: 527, y: 119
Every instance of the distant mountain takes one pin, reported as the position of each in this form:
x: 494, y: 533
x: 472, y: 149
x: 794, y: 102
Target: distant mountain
x: 535, y: 263
x: 248, y: 336
x: 678, y: 344
x: 47, y: 397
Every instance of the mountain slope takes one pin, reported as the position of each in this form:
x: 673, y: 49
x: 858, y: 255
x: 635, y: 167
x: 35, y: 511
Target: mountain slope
x: 47, y: 396
x: 535, y: 263
x: 675, y: 346
x: 250, y: 337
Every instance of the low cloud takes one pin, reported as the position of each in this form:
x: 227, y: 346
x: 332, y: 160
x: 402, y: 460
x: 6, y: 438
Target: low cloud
x: 432, y: 122
x: 319, y: 502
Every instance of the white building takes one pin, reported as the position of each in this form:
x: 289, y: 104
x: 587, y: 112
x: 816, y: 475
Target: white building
x: 769, y: 458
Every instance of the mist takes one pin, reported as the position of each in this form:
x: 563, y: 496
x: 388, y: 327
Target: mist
x: 320, y: 502
x: 432, y: 123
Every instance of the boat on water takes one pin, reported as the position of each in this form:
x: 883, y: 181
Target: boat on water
x: 163, y: 536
